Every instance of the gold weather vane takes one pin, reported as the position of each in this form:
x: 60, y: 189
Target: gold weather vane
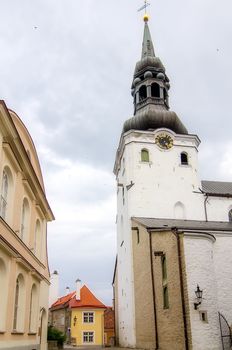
x: 144, y: 7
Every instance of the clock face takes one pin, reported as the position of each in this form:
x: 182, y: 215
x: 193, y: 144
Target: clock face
x: 164, y: 141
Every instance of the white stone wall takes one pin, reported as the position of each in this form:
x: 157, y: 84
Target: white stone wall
x: 126, y: 321
x: 218, y: 208
x: 200, y: 268
x: 222, y: 258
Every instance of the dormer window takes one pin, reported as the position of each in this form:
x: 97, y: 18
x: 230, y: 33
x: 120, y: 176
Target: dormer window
x: 142, y: 93
x: 144, y: 155
x: 184, y: 158
x: 155, y: 90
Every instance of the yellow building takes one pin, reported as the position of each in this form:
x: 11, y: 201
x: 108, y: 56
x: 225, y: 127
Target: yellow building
x: 24, y: 212
x: 85, y: 315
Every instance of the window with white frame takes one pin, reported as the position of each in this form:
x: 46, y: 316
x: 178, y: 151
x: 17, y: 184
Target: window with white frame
x: 88, y: 317
x: 88, y: 337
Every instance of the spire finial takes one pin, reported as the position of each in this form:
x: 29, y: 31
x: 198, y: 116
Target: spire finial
x: 144, y: 7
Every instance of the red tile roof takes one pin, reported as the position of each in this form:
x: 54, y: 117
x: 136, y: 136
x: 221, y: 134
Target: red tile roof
x: 63, y: 300
x: 87, y: 299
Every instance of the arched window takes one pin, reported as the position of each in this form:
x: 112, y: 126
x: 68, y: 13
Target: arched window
x: 43, y: 328
x: 3, y: 294
x: 6, y: 188
x: 230, y: 215
x: 24, y: 219
x: 179, y: 211
x: 4, y: 194
x: 37, y: 242
x: 19, y: 304
x: 184, y: 158
x: 33, y: 310
x: 142, y: 93
x: 144, y: 155
x: 155, y: 90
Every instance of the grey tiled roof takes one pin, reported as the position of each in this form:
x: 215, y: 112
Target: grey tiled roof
x: 153, y: 223
x: 217, y: 187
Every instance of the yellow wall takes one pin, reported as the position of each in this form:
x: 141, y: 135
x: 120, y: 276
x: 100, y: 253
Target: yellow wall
x: 19, y: 255
x: 80, y: 327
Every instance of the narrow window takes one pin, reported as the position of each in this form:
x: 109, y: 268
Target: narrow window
x: 123, y: 195
x: 4, y: 194
x: 203, y: 316
x: 230, y: 215
x: 37, y: 242
x: 3, y: 294
x: 144, y: 155
x: 164, y: 283
x: 184, y: 158
x: 155, y: 90
x: 24, y: 219
x: 16, y: 305
x: 142, y: 93
x: 33, y: 309
x: 165, y: 95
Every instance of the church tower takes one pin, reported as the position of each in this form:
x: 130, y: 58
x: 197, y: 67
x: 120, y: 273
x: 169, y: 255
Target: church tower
x: 161, y: 204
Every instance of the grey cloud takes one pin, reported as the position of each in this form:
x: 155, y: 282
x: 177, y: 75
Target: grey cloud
x: 69, y: 80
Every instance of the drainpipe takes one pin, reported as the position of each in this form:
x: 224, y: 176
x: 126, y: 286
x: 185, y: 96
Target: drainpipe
x: 205, y: 202
x: 182, y: 288
x: 153, y: 292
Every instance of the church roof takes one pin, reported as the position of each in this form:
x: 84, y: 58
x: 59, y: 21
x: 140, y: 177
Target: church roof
x: 164, y: 224
x: 217, y: 188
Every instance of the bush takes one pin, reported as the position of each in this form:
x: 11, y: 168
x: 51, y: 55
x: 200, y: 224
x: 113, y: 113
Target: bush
x: 55, y: 334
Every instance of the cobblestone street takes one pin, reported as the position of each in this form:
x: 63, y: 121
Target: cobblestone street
x: 70, y: 347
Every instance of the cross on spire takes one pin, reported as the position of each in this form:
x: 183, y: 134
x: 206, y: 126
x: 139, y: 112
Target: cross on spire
x: 144, y: 7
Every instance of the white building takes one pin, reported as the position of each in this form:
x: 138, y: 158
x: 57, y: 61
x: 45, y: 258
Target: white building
x: 174, y: 231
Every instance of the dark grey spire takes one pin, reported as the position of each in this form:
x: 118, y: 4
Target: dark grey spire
x: 150, y: 92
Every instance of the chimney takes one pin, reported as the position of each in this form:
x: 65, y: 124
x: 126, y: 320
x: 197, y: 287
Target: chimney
x: 78, y: 289
x: 54, y: 288
x: 67, y: 290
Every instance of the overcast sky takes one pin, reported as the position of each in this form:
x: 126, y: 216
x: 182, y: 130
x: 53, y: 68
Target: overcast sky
x: 66, y: 68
